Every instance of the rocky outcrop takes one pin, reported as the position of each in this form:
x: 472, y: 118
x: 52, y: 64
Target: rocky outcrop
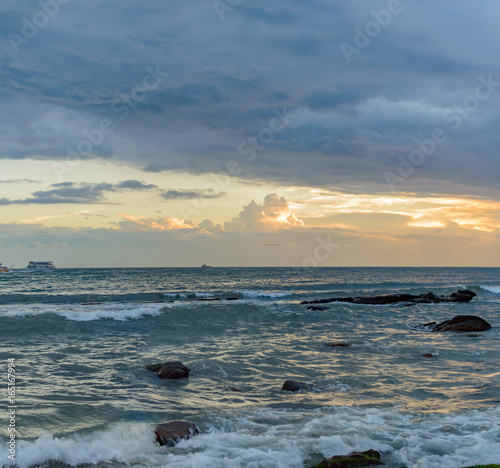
x: 354, y: 459
x: 172, y: 432
x: 462, y: 295
x: 170, y: 370
x: 293, y: 386
x: 463, y: 323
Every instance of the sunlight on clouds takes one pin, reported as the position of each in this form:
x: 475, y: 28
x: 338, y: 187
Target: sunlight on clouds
x: 166, y: 224
x: 273, y: 214
x: 423, y: 212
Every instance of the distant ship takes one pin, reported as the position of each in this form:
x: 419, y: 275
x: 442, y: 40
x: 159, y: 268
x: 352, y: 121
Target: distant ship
x: 40, y: 266
x: 206, y: 266
x: 3, y: 269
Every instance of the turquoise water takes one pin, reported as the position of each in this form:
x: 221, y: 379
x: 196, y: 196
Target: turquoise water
x: 85, y: 399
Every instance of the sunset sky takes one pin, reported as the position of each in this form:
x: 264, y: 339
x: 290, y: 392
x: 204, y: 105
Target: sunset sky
x: 250, y: 133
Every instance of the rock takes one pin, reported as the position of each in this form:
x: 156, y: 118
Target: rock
x: 317, y: 308
x: 234, y: 389
x: 232, y: 298
x: 338, y: 345
x: 170, y: 370
x: 462, y: 295
x: 428, y: 355
x: 154, y: 367
x: 172, y: 432
x: 293, y: 386
x: 484, y: 466
x: 354, y: 459
x: 463, y: 323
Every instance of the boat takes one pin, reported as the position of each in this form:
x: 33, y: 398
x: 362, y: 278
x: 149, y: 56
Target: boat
x: 3, y: 269
x: 206, y: 266
x: 40, y: 266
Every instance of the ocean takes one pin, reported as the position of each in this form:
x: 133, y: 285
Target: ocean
x: 80, y: 340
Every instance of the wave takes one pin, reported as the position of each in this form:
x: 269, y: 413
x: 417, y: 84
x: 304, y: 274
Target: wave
x: 492, y: 289
x: 256, y: 294
x: 87, y: 313
x: 282, y: 438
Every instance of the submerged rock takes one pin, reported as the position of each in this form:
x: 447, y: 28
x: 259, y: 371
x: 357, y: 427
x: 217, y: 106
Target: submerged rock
x: 463, y: 323
x: 484, y: 466
x: 462, y: 295
x: 354, y: 459
x: 234, y: 389
x: 338, y: 345
x: 172, y: 432
x: 170, y: 370
x: 293, y: 386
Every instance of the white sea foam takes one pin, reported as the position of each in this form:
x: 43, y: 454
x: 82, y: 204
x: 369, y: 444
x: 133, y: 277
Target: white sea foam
x: 493, y: 289
x: 285, y: 438
x: 122, y: 443
x: 87, y: 313
x: 255, y: 294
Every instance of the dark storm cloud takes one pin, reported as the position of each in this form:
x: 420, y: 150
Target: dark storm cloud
x: 186, y: 194
x: 354, y: 122
x: 85, y: 193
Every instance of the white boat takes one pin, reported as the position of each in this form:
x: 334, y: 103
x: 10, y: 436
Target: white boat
x: 40, y: 266
x: 3, y: 269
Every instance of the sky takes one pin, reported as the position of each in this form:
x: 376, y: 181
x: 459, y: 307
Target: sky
x: 249, y: 133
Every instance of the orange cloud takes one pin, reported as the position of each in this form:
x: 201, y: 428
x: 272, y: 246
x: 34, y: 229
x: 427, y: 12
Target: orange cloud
x: 166, y: 224
x: 273, y: 214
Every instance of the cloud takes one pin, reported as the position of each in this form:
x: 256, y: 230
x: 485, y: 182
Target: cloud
x: 273, y: 214
x: 36, y: 245
x: 225, y: 85
x: 185, y: 194
x: 162, y: 224
x: 20, y: 181
x: 84, y: 193
x: 134, y: 185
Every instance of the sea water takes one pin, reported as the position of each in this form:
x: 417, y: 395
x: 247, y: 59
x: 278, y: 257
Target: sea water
x: 81, y: 339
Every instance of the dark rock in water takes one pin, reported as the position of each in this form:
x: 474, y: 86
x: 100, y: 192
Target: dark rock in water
x: 428, y: 355
x: 462, y: 295
x: 172, y: 432
x: 232, y: 298
x: 234, y: 389
x: 463, y: 323
x: 154, y: 367
x: 338, y: 345
x: 293, y: 386
x: 170, y: 370
x: 427, y: 324
x: 354, y: 459
x: 484, y: 466
x: 317, y: 308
